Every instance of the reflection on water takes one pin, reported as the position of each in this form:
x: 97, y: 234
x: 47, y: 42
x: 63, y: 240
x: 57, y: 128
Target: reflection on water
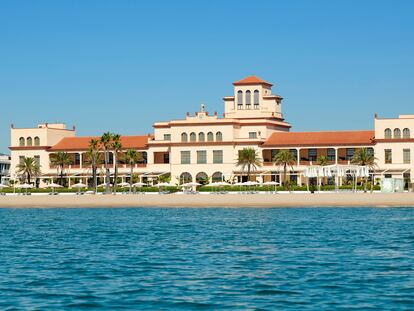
x: 190, y: 259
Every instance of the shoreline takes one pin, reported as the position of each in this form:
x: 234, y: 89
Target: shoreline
x: 211, y: 200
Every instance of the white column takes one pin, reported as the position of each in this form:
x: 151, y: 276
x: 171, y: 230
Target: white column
x: 298, y: 155
x: 336, y: 155
x: 80, y: 159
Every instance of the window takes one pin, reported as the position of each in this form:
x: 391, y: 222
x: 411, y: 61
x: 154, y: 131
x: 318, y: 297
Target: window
x: 166, y: 158
x: 111, y: 158
x: 185, y: 157
x: 167, y: 136
x: 407, y: 156
x: 217, y: 156
x: 144, y: 157
x: 210, y: 136
x: 193, y: 137
x: 29, y: 141
x: 388, y: 156
x: 387, y: 134
x: 350, y: 153
x: 388, y: 175
x: 252, y: 135
x: 37, y: 160
x: 239, y: 100
x: 202, y: 178
x: 184, y: 137
x: 406, y: 133
x: 186, y: 178
x: 397, y: 133
x: 77, y: 159
x: 256, y: 99
x: 294, y: 152
x: 312, y: 154
x: 21, y: 141
x: 217, y: 176
x: 201, y: 157
x: 37, y: 141
x: 219, y: 136
x: 201, y: 136
x: 370, y: 151
x: 248, y: 100
x: 331, y: 154
x: 21, y: 159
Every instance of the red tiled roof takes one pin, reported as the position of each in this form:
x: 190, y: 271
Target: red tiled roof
x: 82, y: 143
x: 252, y: 80
x: 332, y: 138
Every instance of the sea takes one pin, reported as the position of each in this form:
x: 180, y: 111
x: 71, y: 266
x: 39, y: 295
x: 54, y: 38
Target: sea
x: 207, y: 259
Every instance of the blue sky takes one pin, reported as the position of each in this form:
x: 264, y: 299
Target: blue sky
x: 121, y: 65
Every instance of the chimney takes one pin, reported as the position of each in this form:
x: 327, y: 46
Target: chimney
x: 12, y: 126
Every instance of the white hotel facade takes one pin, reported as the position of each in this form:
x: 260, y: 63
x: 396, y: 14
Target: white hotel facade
x: 206, y: 145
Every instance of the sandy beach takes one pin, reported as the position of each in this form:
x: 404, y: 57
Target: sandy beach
x: 212, y: 200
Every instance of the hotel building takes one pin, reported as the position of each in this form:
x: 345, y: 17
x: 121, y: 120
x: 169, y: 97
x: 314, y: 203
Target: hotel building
x: 204, y: 145
x: 4, y: 166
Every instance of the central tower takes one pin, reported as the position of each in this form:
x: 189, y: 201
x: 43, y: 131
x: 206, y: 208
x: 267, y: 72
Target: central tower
x: 253, y: 99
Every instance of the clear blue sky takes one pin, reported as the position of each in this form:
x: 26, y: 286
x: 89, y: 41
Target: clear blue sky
x: 121, y: 65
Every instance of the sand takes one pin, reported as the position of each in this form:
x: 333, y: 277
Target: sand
x: 212, y: 200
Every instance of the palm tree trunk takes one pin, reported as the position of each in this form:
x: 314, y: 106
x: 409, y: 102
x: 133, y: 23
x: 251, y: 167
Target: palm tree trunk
x: 107, y: 172
x: 130, y: 177
x: 285, y: 175
x: 248, y: 172
x: 61, y: 176
x: 28, y: 178
x: 116, y: 172
x: 94, y: 177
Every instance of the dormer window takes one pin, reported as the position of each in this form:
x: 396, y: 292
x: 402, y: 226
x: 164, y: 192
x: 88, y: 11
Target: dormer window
x: 256, y: 99
x: 193, y: 137
x: 248, y: 100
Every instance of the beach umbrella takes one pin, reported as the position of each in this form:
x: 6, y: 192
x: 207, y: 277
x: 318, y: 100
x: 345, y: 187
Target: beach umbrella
x: 79, y: 186
x: 53, y: 186
x: 103, y: 185
x: 124, y: 184
x: 164, y: 184
x: 25, y: 186
x: 271, y: 183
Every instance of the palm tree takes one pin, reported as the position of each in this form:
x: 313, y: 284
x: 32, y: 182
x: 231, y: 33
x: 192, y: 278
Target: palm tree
x: 28, y: 167
x: 93, y: 157
x: 60, y: 160
x: 363, y: 157
x: 106, y: 140
x: 285, y: 158
x: 248, y: 159
x: 116, y: 147
x: 132, y: 157
x: 322, y: 160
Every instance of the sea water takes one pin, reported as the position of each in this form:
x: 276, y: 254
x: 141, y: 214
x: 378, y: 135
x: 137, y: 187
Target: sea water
x: 207, y: 259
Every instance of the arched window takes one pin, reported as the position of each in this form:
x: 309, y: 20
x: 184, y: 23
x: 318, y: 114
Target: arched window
x: 406, y: 133
x: 397, y: 133
x: 21, y: 141
x: 248, y: 100
x: 184, y: 137
x: 256, y: 99
x: 219, y: 136
x: 387, y: 134
x: 185, y: 178
x: 37, y: 141
x: 239, y: 100
x: 217, y: 176
x: 202, y: 178
x: 193, y: 136
x: 210, y: 136
x: 29, y: 141
x: 201, y: 136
